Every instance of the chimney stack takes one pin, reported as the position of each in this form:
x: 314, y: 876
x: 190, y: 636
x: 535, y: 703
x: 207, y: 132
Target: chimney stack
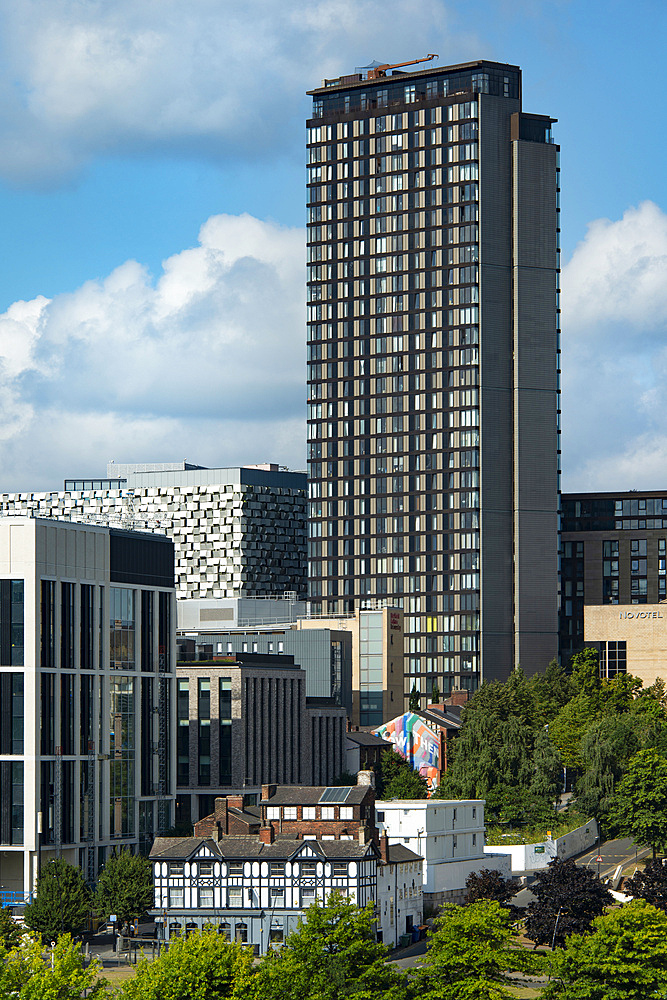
x: 364, y: 834
x: 268, y: 791
x: 220, y: 814
x: 384, y: 847
x: 266, y: 834
x: 366, y: 778
x: 457, y: 698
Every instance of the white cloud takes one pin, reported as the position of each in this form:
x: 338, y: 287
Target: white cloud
x: 615, y: 354
x: 199, y: 77
x: 207, y: 362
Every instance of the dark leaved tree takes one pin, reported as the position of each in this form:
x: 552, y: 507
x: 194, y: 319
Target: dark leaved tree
x: 569, y: 898
x: 490, y: 884
x: 651, y: 885
x: 398, y: 779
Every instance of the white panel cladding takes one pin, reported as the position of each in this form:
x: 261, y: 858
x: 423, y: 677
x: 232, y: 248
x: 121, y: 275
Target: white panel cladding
x: 228, y: 540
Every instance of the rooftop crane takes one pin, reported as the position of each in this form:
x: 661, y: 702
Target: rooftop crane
x: 376, y: 72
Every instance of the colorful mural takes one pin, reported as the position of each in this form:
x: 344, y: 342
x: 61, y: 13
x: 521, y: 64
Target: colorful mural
x: 415, y: 741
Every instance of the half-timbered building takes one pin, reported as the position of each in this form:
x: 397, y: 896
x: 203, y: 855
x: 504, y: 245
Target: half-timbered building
x: 255, y: 889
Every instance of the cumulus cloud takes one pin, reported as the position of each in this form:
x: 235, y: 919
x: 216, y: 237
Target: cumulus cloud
x: 206, y: 362
x: 615, y: 354
x: 196, y: 77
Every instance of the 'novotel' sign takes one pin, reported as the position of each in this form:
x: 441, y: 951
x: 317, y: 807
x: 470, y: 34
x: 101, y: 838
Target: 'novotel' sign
x: 640, y: 614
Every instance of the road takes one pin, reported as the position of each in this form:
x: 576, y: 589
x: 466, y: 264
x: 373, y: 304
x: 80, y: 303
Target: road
x: 613, y: 853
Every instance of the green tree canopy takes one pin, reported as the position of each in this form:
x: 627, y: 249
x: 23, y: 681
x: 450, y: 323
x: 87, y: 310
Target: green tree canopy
x: 469, y: 954
x: 10, y: 931
x: 569, y: 898
x: 398, y: 780
x: 624, y: 958
x: 61, y: 902
x: 124, y: 887
x: 640, y: 809
x: 606, y: 747
x: 62, y: 976
x: 202, y: 966
x: 332, y: 955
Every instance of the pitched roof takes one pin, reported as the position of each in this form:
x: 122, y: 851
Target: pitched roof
x: 399, y: 853
x: 367, y: 739
x: 296, y: 795
x: 251, y: 848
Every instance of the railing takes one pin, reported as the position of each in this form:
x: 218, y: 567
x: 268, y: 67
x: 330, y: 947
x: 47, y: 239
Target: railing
x: 9, y: 897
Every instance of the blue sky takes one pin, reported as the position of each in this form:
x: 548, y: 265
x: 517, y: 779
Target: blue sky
x: 151, y: 192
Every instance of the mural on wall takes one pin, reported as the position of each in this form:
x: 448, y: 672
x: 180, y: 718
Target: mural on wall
x: 415, y: 741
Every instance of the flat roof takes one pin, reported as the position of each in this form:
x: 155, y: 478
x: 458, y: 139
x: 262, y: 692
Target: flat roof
x: 348, y: 83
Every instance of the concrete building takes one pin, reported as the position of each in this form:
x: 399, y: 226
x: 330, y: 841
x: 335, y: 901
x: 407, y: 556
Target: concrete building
x: 631, y: 638
x: 244, y: 720
x: 236, y: 532
x: 377, y: 660
x: 324, y: 654
x: 433, y: 352
x: 613, y: 552
x: 87, y: 657
x: 447, y: 834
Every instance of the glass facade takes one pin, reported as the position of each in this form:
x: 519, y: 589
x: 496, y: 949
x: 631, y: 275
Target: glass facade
x: 121, y: 636
x: 122, y: 756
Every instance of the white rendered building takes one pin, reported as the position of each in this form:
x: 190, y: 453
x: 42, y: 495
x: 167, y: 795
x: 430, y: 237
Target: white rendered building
x: 447, y: 834
x: 400, y: 893
x: 87, y: 658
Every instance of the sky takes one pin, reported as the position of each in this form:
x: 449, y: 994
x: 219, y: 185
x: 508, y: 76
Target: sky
x: 152, y: 204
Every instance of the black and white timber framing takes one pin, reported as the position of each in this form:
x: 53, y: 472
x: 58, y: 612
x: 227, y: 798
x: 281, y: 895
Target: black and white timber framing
x: 254, y: 892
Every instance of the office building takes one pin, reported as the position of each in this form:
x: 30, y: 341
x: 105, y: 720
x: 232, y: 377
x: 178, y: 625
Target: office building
x: 237, y: 532
x: 87, y: 657
x: 613, y: 551
x: 377, y: 660
x: 631, y: 639
x: 324, y: 654
x: 433, y: 354
x: 244, y: 720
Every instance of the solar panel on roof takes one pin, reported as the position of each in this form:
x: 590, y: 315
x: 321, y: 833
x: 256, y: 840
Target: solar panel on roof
x: 336, y: 795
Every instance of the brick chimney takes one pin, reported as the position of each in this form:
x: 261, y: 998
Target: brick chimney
x: 266, y: 834
x: 366, y: 778
x: 364, y: 834
x: 235, y: 802
x: 220, y: 813
x: 384, y: 847
x: 268, y: 791
x: 457, y: 698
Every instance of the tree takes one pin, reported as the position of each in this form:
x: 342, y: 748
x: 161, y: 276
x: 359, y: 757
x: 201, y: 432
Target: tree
x: 569, y: 898
x: 606, y: 747
x: 61, y: 904
x: 64, y: 977
x: 435, y: 695
x: 10, y: 932
x: 490, y: 884
x: 640, y: 810
x: 469, y: 954
x: 398, y: 780
x: 624, y: 958
x: 650, y: 884
x: 124, y: 887
x: 502, y: 758
x: 202, y: 966
x: 332, y: 955
x: 415, y: 701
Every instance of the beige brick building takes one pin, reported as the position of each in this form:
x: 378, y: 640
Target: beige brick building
x: 632, y: 639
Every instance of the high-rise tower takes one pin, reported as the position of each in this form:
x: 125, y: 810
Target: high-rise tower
x: 433, y: 353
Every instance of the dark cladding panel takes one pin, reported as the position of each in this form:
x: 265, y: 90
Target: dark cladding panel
x: 146, y: 560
